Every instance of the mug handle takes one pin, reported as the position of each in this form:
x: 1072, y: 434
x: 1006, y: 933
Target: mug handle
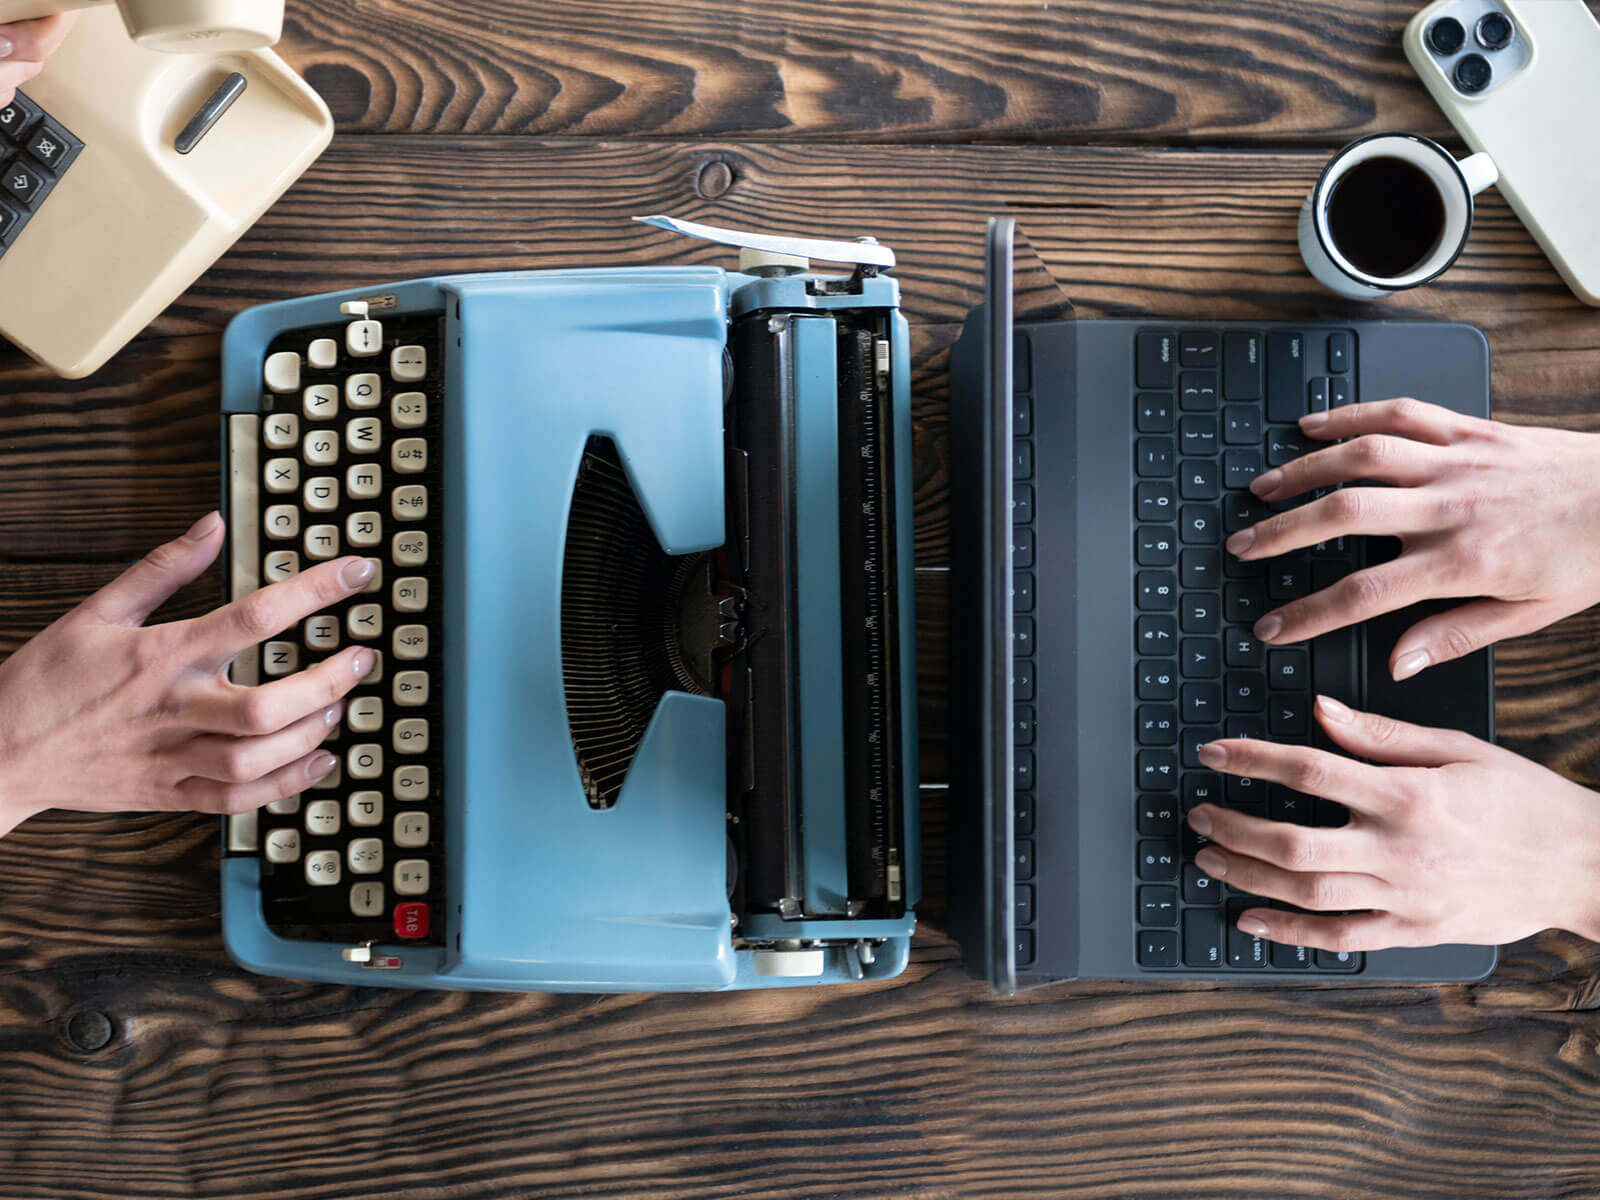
x: 1479, y: 171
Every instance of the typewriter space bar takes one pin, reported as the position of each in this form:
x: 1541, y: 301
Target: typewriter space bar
x: 244, y: 568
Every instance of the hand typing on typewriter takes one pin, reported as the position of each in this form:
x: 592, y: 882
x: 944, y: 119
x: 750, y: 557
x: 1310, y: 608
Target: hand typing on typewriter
x: 1455, y: 841
x: 24, y: 45
x: 1503, y: 514
x: 105, y: 713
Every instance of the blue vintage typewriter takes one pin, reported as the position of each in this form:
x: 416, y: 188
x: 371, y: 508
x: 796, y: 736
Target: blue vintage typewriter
x: 643, y: 716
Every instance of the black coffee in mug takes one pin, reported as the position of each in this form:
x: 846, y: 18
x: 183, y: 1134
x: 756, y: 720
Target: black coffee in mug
x: 1385, y: 216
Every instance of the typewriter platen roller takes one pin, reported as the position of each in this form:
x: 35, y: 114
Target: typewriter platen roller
x: 677, y: 657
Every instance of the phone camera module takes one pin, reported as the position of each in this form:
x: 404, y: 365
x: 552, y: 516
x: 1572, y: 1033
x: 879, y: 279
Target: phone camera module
x: 1446, y: 36
x: 1472, y: 73
x: 1493, y: 30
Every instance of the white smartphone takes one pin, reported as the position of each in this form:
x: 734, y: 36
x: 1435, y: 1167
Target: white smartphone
x: 1520, y: 81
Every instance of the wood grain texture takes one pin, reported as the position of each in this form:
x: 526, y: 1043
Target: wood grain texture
x: 1229, y: 72
x: 215, y: 1083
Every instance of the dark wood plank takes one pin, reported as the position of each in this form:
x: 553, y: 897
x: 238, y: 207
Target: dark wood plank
x: 1314, y: 72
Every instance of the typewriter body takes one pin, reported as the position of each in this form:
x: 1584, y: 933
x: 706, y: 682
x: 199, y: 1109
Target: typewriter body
x: 644, y: 714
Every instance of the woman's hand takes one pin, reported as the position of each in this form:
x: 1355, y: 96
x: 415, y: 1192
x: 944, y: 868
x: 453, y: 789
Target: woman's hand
x: 1504, y: 513
x: 1458, y: 841
x: 24, y: 45
x: 101, y: 712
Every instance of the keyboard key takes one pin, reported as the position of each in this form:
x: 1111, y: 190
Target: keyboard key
x: 363, y: 338
x: 1201, y: 788
x: 364, y: 621
x: 1153, y: 457
x: 322, y: 542
x: 1286, y: 804
x: 1200, y: 658
x: 1022, y: 636
x: 18, y: 117
x: 1024, y: 948
x: 364, y: 856
x: 1203, y: 939
x: 1244, y: 950
x: 280, y: 658
x: 411, y: 735
x: 52, y: 145
x: 1153, y: 354
x: 411, y: 876
x: 411, y: 830
x: 1241, y: 791
x: 1200, y: 524
x: 323, y: 354
x: 1286, y: 578
x: 1241, y: 425
x: 366, y: 899
x: 322, y: 632
x: 1284, y: 445
x: 323, y: 868
x: 1198, y: 480
x: 1158, y: 770
x: 1021, y: 416
x: 1022, y: 722
x: 1290, y: 958
x: 1191, y: 738
x: 1200, y: 568
x: 411, y: 642
x: 1286, y: 669
x: 1239, y: 467
x: 22, y: 184
x: 1022, y: 770
x: 1153, y: 412
x: 411, y: 783
x: 321, y: 494
x: 1022, y: 591
x: 281, y: 521
x: 1243, y: 603
x: 281, y: 372
x: 1238, y: 726
x: 1154, y: 501
x: 282, y: 846
x: 321, y: 448
x: 11, y: 218
x: 1287, y: 715
x: 364, y: 760
x: 1022, y: 860
x: 1197, y: 391
x: 1198, y: 613
x: 1202, y: 703
x: 1021, y: 547
x: 1156, y: 591
x: 1155, y: 635
x: 409, y: 410
x: 1241, y: 366
x: 320, y: 402
x: 1342, y: 960
x: 1240, y: 649
x: 1200, y: 888
x: 1154, y: 546
x: 1339, y: 393
x: 1245, y: 691
x: 364, y: 714
x: 1286, y: 377
x: 407, y: 364
x: 1241, y: 510
x: 1158, y: 905
x: 1338, y: 352
x: 1158, y: 948
x: 1021, y: 503
x: 1318, y: 394
x: 1021, y: 679
x: 1197, y: 349
x: 1157, y: 679
x: 322, y: 818
x: 1021, y: 361
x: 1155, y: 725
x: 1158, y: 816
x: 1158, y: 860
x: 1022, y: 814
x: 281, y: 431
x: 281, y: 476
x: 1197, y: 435
x: 411, y: 917
x: 364, y: 809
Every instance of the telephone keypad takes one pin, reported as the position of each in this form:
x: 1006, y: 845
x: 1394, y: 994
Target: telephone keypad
x: 35, y: 151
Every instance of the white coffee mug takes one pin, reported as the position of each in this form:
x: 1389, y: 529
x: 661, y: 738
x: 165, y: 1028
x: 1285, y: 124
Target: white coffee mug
x: 1457, y: 183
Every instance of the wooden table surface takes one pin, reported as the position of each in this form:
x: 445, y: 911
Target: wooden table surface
x: 1155, y: 154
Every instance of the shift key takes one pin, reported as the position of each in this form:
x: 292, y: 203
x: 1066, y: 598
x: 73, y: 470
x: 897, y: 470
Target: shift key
x: 1286, y: 377
x: 1241, y: 366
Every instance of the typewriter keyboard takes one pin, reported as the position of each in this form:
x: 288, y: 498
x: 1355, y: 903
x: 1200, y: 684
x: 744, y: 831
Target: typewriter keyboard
x: 35, y: 151
x: 1212, y: 410
x: 348, y: 462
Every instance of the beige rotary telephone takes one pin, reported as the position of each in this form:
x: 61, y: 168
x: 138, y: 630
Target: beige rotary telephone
x: 147, y: 145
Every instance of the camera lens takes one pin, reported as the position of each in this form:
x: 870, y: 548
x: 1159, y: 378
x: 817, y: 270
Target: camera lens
x: 1493, y: 30
x: 1445, y: 36
x: 1473, y: 73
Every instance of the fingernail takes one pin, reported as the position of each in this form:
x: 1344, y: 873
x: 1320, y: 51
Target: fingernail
x: 1335, y: 711
x: 1409, y: 664
x: 1253, y: 926
x: 1211, y: 862
x: 206, y: 525
x: 1200, y: 822
x: 1315, y: 420
x: 6, y: 47
x: 331, y: 716
x: 1241, y: 541
x: 363, y: 663
x: 1269, y: 627
x: 1262, y: 484
x: 1213, y: 755
x: 321, y: 763
x: 355, y: 574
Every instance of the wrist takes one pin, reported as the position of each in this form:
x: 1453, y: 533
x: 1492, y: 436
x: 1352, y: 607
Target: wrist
x: 1580, y: 893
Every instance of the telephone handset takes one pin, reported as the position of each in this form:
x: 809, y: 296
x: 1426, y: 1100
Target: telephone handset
x: 177, y: 26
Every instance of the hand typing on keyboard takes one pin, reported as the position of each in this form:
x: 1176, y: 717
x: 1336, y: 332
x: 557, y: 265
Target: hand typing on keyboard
x: 105, y: 713
x: 1501, y: 514
x: 1455, y: 841
x: 24, y: 45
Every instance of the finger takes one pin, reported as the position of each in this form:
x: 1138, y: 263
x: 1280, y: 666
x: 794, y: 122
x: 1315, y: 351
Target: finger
x: 1344, y: 513
x: 1356, y: 597
x: 256, y: 711
x: 1379, y: 457
x: 36, y: 40
x: 1400, y: 743
x: 1314, y: 772
x: 1321, y: 890
x: 1282, y: 844
x: 1462, y: 630
x: 14, y: 75
x: 246, y: 759
x: 1403, y: 417
x: 208, y: 795
x: 144, y: 587
x: 268, y: 612
x: 1347, y: 933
